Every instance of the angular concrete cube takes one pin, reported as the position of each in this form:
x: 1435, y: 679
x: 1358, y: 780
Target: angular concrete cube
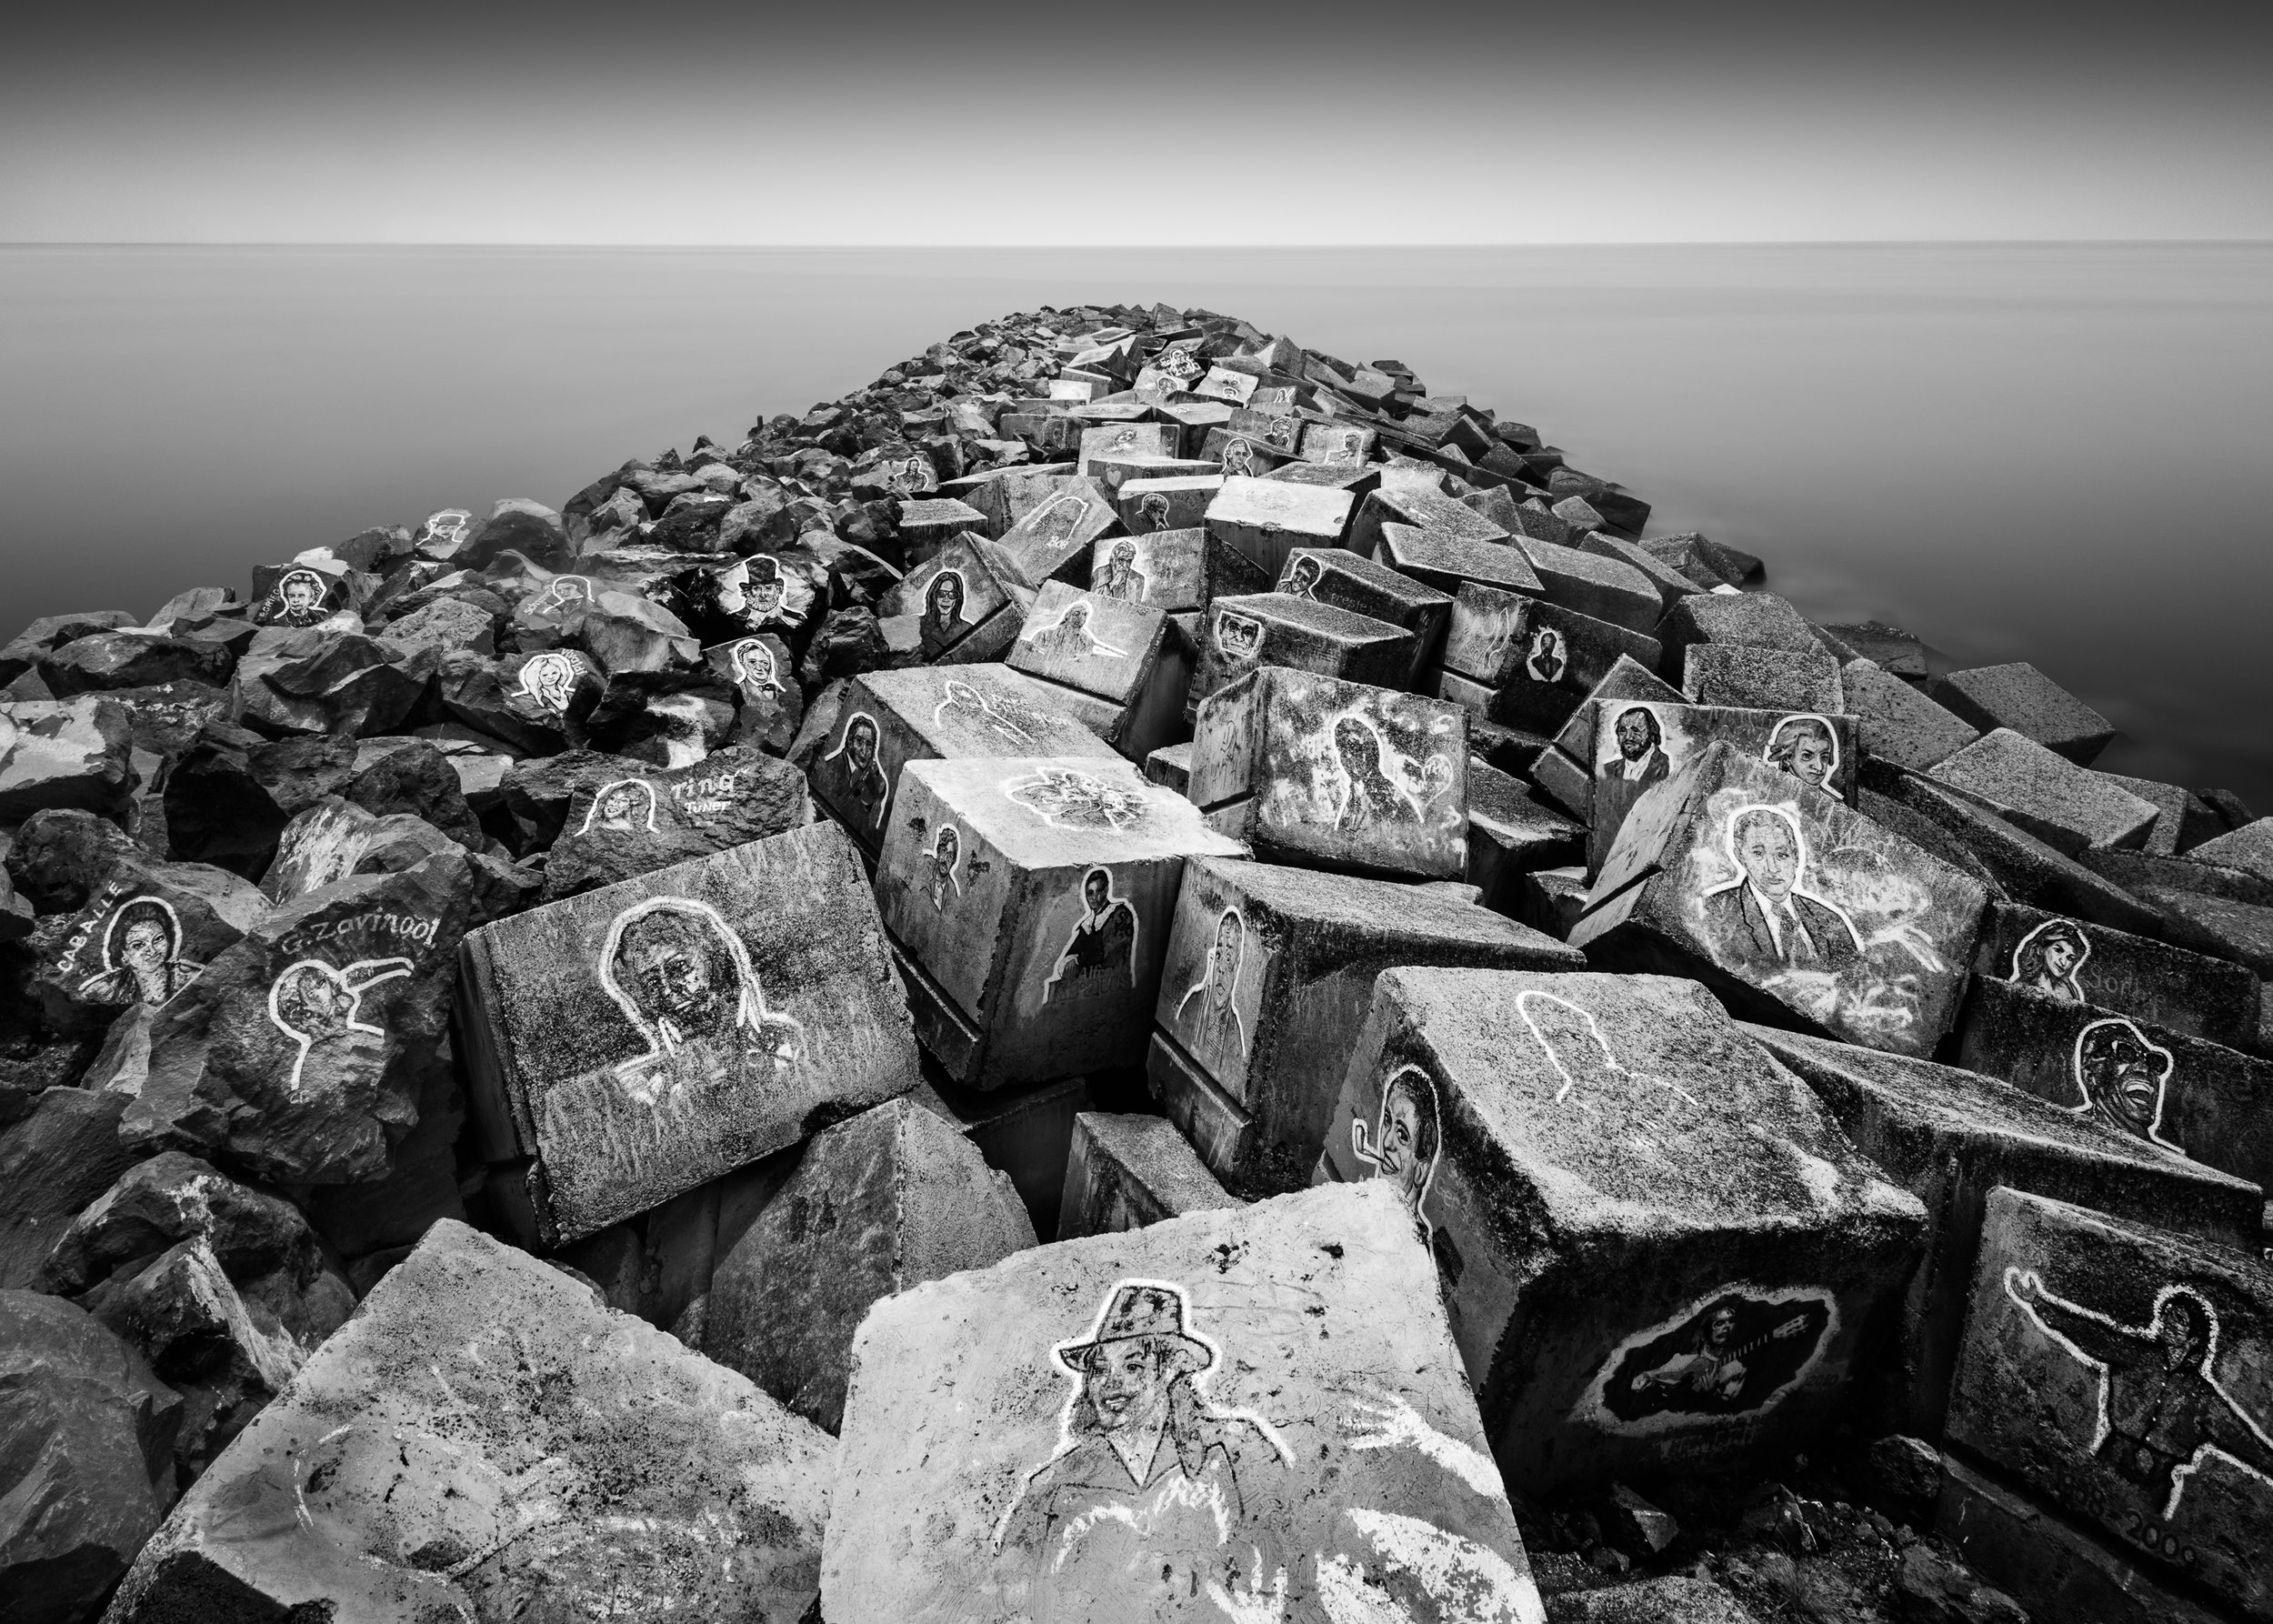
x: 1509, y: 835
x: 1167, y: 502
x: 1051, y: 540
x: 964, y: 613
x: 1276, y: 628
x: 2080, y: 962
x: 1657, y: 1253
x: 1101, y: 656
x: 1327, y: 773
x: 1792, y: 908
x: 1443, y: 559
x: 1750, y: 678
x: 1420, y: 508
x: 1590, y: 584
x: 1267, y: 518
x: 1174, y: 571
x: 1029, y: 899
x: 2120, y: 1372
x: 1270, y: 974
x: 641, y: 1039
x: 2023, y: 698
x: 1898, y: 723
x: 1561, y: 656
x: 1343, y: 580
x: 1304, y: 1445
x: 1124, y: 1171
x: 2063, y: 805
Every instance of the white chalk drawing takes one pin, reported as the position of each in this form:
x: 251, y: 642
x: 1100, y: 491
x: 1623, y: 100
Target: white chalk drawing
x: 1121, y: 575
x: 1589, y: 1056
x: 447, y: 527
x: 1732, y: 1353
x: 2122, y: 1079
x: 1238, y: 637
x: 946, y: 852
x: 1467, y: 1581
x: 550, y: 679
x: 865, y: 782
x: 562, y: 594
x: 1218, y: 1027
x: 1009, y: 719
x: 627, y: 807
x: 1140, y: 1444
x: 296, y: 599
x: 316, y: 1005
x: 1637, y: 749
x: 2163, y: 1414
x: 1550, y: 655
x: 909, y: 474
x: 754, y: 670
x: 1069, y: 634
x: 1768, y: 919
x: 1808, y: 748
x: 944, y: 616
x: 1380, y: 784
x: 1067, y: 799
x: 684, y: 980
x: 1303, y: 574
x: 1153, y: 508
x: 142, y: 955
x: 1053, y: 523
x: 1100, y: 954
x: 1387, y: 1421
x: 762, y: 591
x: 2048, y: 960
x: 1407, y: 1136
x: 1179, y: 365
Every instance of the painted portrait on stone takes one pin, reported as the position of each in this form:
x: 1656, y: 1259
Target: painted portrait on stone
x: 865, y: 784
x: 319, y: 1008
x: 143, y: 960
x: 300, y: 598
x: 944, y: 620
x: 1733, y: 1354
x: 1069, y: 798
x: 1207, y: 1016
x: 684, y: 980
x: 1806, y: 748
x: 1099, y: 957
x: 2050, y: 958
x: 997, y: 716
x: 2123, y: 1081
x: 627, y: 807
x: 1121, y: 575
x: 550, y: 679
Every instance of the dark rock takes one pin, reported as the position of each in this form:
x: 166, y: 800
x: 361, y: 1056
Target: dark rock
x: 643, y: 821
x: 446, y: 623
x: 667, y: 719
x: 334, y: 682
x: 1126, y: 1172
x: 146, y: 932
x: 771, y: 705
x: 535, y: 702
x: 1342, y: 580
x: 133, y: 659
x: 217, y: 809
x: 59, y: 856
x: 2023, y: 698
x: 54, y: 1161
x: 52, y: 632
x: 515, y: 526
x: 1900, y: 1475
x: 1674, y: 1599
x: 411, y: 775
x: 535, y: 794
x: 62, y: 753
x: 2029, y: 871
x: 1510, y: 835
x: 1641, y: 1529
x: 308, y: 593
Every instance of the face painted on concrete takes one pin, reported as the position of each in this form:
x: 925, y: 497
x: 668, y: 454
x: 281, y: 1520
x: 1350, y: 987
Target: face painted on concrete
x: 1769, y: 855
x: 1634, y: 736
x: 1805, y: 748
x: 146, y: 945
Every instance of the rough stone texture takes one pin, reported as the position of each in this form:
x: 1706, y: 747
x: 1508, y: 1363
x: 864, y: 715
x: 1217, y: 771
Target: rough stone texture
x: 2183, y: 819
x: 1675, y: 1599
x: 1900, y: 724
x: 1266, y: 519
x: 1628, y: 679
x: 1322, y: 772
x: 1550, y: 1132
x: 146, y: 932
x: 1318, y: 1435
x: 1933, y: 1589
x: 643, y: 820
x: 1555, y: 658
x: 61, y: 753
x: 1446, y: 560
x: 535, y: 702
x: 52, y: 631
x: 1276, y: 628
x: 1598, y: 586
x: 2249, y: 849
x: 320, y: 680
x: 1756, y: 619
x: 2023, y: 698
x: 1270, y: 974
x: 891, y: 1198
x: 1755, y: 679
x: 1510, y: 835
x: 1671, y: 583
x: 1890, y: 927
x: 85, y: 1466
x: 2028, y: 869
x: 1342, y: 580
x: 60, y: 1154
x: 485, y: 1440
x: 2183, y: 1095
x: 1948, y: 1136
x: 1419, y: 509
x: 1125, y: 1171
x: 2056, y: 801
x: 962, y: 609
x: 2120, y: 1371
x: 2080, y: 962
x: 134, y: 659
x: 59, y: 858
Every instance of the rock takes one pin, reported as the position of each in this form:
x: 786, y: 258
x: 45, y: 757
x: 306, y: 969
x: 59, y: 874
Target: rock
x: 641, y: 1039
x: 1870, y: 935
x: 2249, y: 849
x: 1242, y: 633
x: 619, y: 827
x: 217, y: 808
x: 2081, y: 962
x: 535, y: 702
x: 485, y: 1439
x: 307, y: 593
x: 2020, y: 697
x: 1420, y: 510
x: 445, y: 624
x: 1266, y: 519
x: 1446, y: 560
x: 1640, y: 1528
x: 1948, y: 1136
x: 1330, y: 1466
x: 2059, y: 803
x: 1646, y: 1139
x: 2183, y: 819
x: 145, y: 934
x: 878, y: 1203
x: 1674, y: 1599
x: 1628, y: 679
x: 1029, y: 898
x: 52, y: 632
x: 59, y: 856
x: 623, y: 632
x: 86, y: 1470
x: 1898, y: 723
x: 1054, y: 535
x: 1342, y: 580
x: 1900, y: 1475
x: 514, y: 525
x: 964, y: 612
x: 769, y: 704
x: 2104, y: 1369
x: 1099, y: 659
x: 1599, y: 586
x: 1671, y: 583
x: 1316, y: 771
x: 1510, y: 835
x: 1756, y: 619
x: 1544, y: 657
x: 61, y: 1155
x: 61, y: 753
x: 1737, y: 673
x: 133, y: 659
x: 1167, y: 502
x: 1270, y: 977
x: 1126, y: 1172
x: 334, y: 682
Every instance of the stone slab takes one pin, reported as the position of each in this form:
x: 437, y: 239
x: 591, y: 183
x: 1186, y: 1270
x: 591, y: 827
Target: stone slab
x: 2080, y: 962
x: 1898, y: 723
x: 645, y: 820
x: 2061, y: 804
x: 1343, y: 580
x: 2023, y: 698
x: 62, y: 753
x: 1737, y: 673
x: 1125, y: 1171
x: 1276, y: 628
x: 1598, y: 586
x: 1097, y: 643
x: 964, y: 612
x: 1267, y: 518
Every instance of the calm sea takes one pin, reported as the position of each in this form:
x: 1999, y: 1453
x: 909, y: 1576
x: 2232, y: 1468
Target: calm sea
x: 2055, y: 453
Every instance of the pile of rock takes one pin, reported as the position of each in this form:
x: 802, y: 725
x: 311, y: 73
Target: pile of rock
x: 1138, y: 972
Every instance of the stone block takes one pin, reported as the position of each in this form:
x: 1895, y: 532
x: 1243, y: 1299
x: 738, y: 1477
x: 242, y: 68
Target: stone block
x: 1337, y: 444
x: 2064, y: 805
x: 2183, y: 819
x: 1324, y: 1465
x: 927, y: 527
x: 1597, y: 586
x: 646, y: 820
x: 2080, y: 962
x: 1030, y: 898
x: 62, y: 753
x: 1343, y: 580
x: 1170, y: 766
x: 1118, y: 440
x: 1443, y: 559
x: 964, y: 612
x: 2120, y: 1371
x: 636, y: 1041
x: 135, y: 659
x: 1644, y: 1139
x: 855, y: 748
x: 1671, y: 583
x: 1758, y: 619
x: 1264, y: 519
x: 1051, y: 540
x: 1561, y: 656
x: 1740, y: 674
x: 2249, y: 849
x: 2185, y: 1096
x: 1628, y: 679
x: 1270, y: 974
x: 1026, y: 1134
x: 1791, y: 906
x: 1127, y: 1171
x: 1898, y: 723
x: 1104, y: 654
x: 1167, y: 502
x: 2023, y: 698
x: 878, y: 1204
x: 1423, y: 508
x: 1321, y: 773
x: 1509, y: 835
x: 1950, y: 1136
x: 1242, y: 633
x: 485, y: 1440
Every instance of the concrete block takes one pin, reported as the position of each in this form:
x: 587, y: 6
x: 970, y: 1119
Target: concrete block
x: 964, y: 611
x: 1276, y: 628
x: 1266, y: 519
x: 2023, y: 698
x: 1900, y: 724
x: 1343, y: 580
x: 1127, y: 1170
x: 2032, y: 788
x: 1740, y: 674
x: 2080, y: 962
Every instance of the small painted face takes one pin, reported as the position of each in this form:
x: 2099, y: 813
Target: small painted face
x: 1097, y: 890
x: 1227, y: 935
x: 1399, y: 1154
x: 1811, y: 758
x: 1633, y: 732
x: 1123, y: 554
x: 944, y: 855
x: 323, y: 1003
x: 615, y: 805
x: 1721, y: 1329
x: 300, y: 593
x: 2060, y: 956
x: 1126, y: 1382
x: 1306, y: 573
x: 146, y: 943
x: 860, y: 743
x: 2137, y: 1080
x: 1154, y: 508
x: 671, y: 979
x: 1076, y: 619
x: 947, y: 597
x: 1770, y: 859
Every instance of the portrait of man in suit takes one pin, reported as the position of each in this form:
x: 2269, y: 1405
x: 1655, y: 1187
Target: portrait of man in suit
x: 1767, y: 920
x: 1641, y: 757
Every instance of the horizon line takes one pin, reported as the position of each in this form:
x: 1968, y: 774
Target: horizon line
x: 1903, y: 242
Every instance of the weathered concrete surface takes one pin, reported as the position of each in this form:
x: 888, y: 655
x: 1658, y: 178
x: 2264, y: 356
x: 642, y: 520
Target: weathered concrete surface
x: 1125, y: 1170
x: 2120, y: 1371
x: 1898, y: 723
x: 485, y: 1440
x: 1510, y: 835
x: 1343, y: 580
x: 620, y: 827
x: 1674, y: 1599
x: 1276, y: 628
x: 1753, y: 678
x: 2080, y: 962
x: 642, y: 1039
x: 2023, y: 698
x: 1950, y: 1136
x: 878, y: 1204
x: 1096, y: 643
x: 1305, y: 1447
x: 2059, y: 803
x: 1549, y: 1133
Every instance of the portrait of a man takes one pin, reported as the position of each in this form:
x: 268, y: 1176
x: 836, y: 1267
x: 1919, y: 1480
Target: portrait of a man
x: 1641, y: 756
x: 1549, y: 657
x: 684, y: 978
x: 2047, y: 958
x: 1119, y: 575
x: 1240, y: 636
x: 1069, y: 635
x: 142, y: 955
x: 755, y: 671
x: 1710, y: 1370
x: 865, y: 782
x: 1805, y: 748
x: 947, y: 851
x: 1238, y: 457
x: 2122, y: 1079
x: 942, y: 621
x: 1153, y: 511
x: 1767, y: 919
x: 1216, y: 1029
x: 320, y: 1009
x: 1099, y: 957
x: 1370, y: 798
x: 1303, y: 576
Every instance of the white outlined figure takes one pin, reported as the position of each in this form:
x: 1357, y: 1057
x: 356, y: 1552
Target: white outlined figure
x: 684, y: 980
x: 1138, y: 1443
x: 1302, y: 578
x: 1069, y: 634
x: 1733, y: 1352
x: 1238, y: 637
x: 1005, y: 717
x: 1053, y: 522
x: 1533, y: 1006
x: 2162, y: 1411
x: 753, y: 668
x: 1638, y: 753
x: 1766, y: 918
x: 142, y: 955
x: 550, y: 679
x: 446, y: 527
x: 1238, y: 457
x: 1179, y: 365
x: 2121, y: 1080
x: 2048, y: 960
x: 1122, y: 573
x: 562, y: 594
x: 864, y: 774
x: 763, y: 592
x: 1408, y: 1137
x: 1153, y: 507
x: 627, y: 807
x: 944, y: 616
x: 1066, y: 798
x: 946, y: 852
x: 1380, y: 784
x: 908, y: 473
x: 1806, y: 748
x: 296, y: 599
x: 1549, y: 658
x: 312, y: 1003
x: 1102, y: 949
x: 1219, y: 1024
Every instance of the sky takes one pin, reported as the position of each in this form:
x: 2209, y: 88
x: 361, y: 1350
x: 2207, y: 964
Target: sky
x: 1165, y: 122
